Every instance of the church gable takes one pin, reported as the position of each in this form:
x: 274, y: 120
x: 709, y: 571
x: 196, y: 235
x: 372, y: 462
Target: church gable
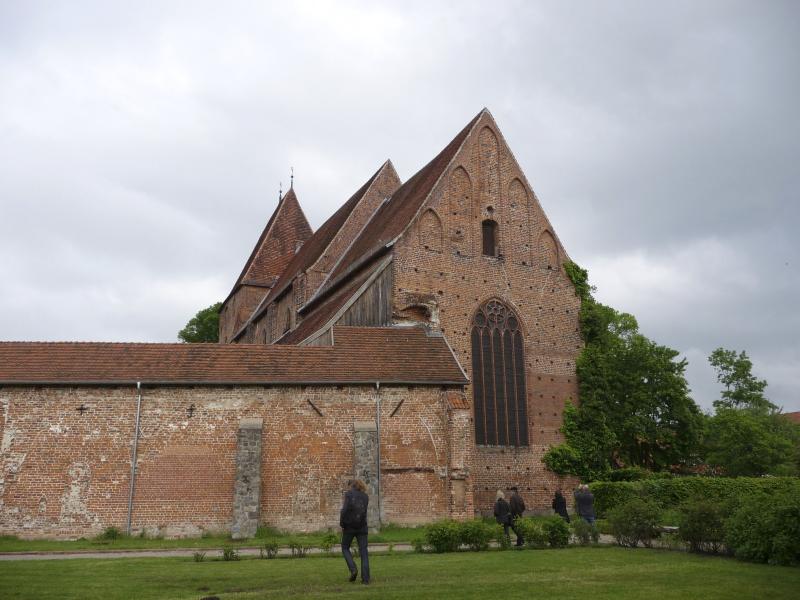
x: 276, y: 314
x: 286, y: 231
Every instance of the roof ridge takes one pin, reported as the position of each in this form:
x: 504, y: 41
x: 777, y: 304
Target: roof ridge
x: 329, y: 228
x: 417, y: 189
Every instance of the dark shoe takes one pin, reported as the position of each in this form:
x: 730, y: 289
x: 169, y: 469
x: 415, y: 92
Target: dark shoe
x: 365, y: 582
x: 353, y: 576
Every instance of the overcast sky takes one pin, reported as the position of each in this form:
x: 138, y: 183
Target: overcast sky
x: 142, y: 145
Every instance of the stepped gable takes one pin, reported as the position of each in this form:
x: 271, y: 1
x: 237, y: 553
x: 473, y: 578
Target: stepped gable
x: 318, y: 243
x: 360, y: 355
x: 276, y: 247
x: 394, y: 216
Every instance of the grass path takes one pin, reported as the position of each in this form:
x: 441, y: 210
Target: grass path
x: 596, y: 573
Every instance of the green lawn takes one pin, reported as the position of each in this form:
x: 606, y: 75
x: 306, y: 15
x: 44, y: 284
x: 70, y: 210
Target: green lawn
x: 389, y: 533
x: 596, y: 573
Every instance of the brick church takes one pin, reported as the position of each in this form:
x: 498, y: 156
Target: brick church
x: 424, y: 339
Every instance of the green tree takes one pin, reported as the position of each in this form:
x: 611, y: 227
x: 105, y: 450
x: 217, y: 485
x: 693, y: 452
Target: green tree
x: 746, y: 443
x: 635, y: 407
x: 742, y: 389
x: 747, y: 435
x: 203, y: 327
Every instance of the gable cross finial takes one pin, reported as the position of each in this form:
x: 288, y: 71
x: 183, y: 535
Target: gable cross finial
x: 280, y: 190
x: 291, y: 178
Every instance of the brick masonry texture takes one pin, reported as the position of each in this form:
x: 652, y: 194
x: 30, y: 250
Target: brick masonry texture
x: 484, y: 181
x: 65, y: 472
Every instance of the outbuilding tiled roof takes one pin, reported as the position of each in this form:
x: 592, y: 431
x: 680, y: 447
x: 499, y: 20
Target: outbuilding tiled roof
x: 403, y: 355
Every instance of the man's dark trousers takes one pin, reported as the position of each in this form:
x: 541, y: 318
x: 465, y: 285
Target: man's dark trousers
x: 347, y: 539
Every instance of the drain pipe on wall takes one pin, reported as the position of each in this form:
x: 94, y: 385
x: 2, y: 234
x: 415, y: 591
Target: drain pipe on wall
x: 378, y: 427
x: 132, y: 485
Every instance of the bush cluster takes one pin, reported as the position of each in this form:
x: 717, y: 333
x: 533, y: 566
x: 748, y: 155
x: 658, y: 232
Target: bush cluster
x: 584, y: 532
x: 635, y: 522
x: 478, y: 534
x: 757, y: 520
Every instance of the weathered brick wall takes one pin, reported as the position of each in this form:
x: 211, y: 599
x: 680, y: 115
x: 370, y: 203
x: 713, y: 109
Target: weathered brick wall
x: 66, y: 473
x: 441, y: 277
x: 237, y: 309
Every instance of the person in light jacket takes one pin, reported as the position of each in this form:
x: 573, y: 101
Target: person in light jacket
x: 502, y: 512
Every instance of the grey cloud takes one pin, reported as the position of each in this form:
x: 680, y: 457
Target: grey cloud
x: 141, y: 148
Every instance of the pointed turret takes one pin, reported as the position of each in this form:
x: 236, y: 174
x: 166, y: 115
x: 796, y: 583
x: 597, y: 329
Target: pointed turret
x: 286, y: 231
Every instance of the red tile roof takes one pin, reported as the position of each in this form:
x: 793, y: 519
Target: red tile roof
x: 318, y: 243
x: 794, y: 417
x: 400, y: 355
x: 276, y: 247
x: 394, y: 216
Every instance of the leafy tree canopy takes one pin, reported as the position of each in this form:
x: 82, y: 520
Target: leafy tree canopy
x: 742, y: 389
x: 635, y: 406
x: 203, y: 327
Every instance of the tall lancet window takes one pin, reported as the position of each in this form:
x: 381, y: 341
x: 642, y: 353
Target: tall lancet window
x: 498, y: 377
x: 489, y: 230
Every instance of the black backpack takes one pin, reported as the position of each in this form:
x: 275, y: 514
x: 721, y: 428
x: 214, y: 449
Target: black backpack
x: 355, y: 510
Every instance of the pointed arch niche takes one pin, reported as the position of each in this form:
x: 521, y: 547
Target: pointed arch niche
x: 489, y: 160
x: 498, y: 376
x: 520, y: 235
x: 459, y: 203
x: 548, y: 251
x: 430, y: 231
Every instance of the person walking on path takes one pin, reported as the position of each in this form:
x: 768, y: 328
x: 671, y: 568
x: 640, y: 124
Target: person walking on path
x: 353, y: 521
x: 560, y: 505
x: 502, y: 512
x: 517, y: 506
x: 584, y: 503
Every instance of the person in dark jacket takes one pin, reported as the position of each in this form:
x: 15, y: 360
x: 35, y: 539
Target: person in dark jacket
x: 560, y: 505
x: 584, y: 504
x: 502, y: 512
x: 517, y: 506
x: 353, y: 521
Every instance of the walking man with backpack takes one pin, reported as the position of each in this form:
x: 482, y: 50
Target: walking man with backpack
x: 353, y: 521
x: 517, y: 506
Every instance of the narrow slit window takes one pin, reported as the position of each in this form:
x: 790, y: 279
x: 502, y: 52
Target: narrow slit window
x: 489, y: 229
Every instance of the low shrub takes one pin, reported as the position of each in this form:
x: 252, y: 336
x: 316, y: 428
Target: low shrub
x: 556, y: 531
x: 766, y: 529
x: 199, y: 556
x: 329, y: 540
x: 269, y: 549
x: 533, y: 532
x: 299, y: 548
x: 418, y: 545
x: 584, y: 532
x: 701, y: 525
x: 443, y: 536
x: 110, y: 534
x: 476, y: 534
x: 635, y: 522
x: 229, y: 553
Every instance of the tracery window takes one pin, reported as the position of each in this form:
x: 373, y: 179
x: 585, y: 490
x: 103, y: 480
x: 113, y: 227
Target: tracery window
x: 498, y: 377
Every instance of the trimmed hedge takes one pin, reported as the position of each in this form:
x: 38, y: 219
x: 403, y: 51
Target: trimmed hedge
x: 671, y: 493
